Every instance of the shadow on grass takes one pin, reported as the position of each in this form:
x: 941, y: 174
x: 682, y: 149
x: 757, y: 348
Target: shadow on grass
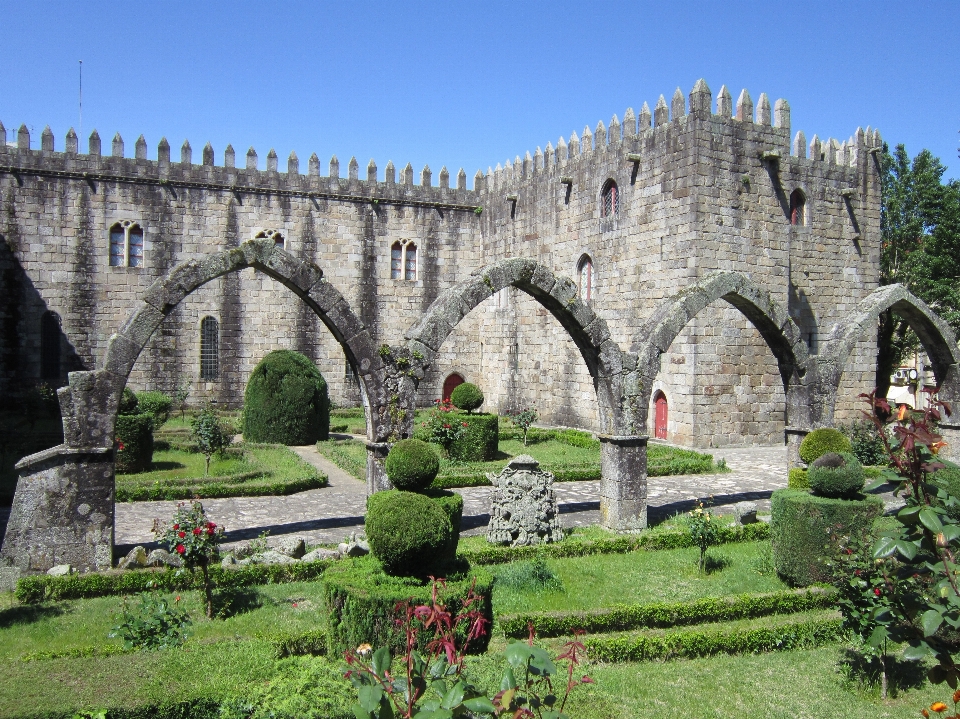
x: 161, y: 466
x: 231, y: 601
x: 863, y: 673
x: 27, y: 614
x: 716, y: 563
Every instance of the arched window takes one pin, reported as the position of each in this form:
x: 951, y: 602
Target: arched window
x: 274, y: 235
x: 50, y: 346
x: 585, y: 278
x: 797, y: 202
x: 209, y: 349
x: 126, y: 244
x: 451, y: 383
x: 610, y: 199
x: 403, y: 260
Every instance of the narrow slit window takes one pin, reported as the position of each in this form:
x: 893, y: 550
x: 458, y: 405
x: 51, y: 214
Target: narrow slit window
x: 50, y: 346
x: 610, y: 200
x: 396, y: 261
x: 209, y: 349
x: 585, y: 276
x: 410, y: 264
x: 118, y: 246
x: 797, y: 202
x: 136, y: 247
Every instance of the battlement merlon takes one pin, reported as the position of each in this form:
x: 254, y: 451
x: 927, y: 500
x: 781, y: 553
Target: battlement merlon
x: 22, y: 161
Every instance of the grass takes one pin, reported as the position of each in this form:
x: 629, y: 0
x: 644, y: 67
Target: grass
x: 243, y: 470
x: 566, y: 461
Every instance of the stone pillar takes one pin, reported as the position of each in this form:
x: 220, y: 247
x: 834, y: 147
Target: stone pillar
x: 376, y: 474
x: 793, y: 436
x: 623, y: 482
x: 62, y: 511
x: 950, y: 431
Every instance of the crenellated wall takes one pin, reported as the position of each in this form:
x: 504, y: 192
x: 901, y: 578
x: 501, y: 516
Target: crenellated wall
x: 703, y: 185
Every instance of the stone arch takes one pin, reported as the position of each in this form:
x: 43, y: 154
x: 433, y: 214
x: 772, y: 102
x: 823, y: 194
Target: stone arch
x: 935, y: 335
x: 775, y: 325
x: 556, y: 293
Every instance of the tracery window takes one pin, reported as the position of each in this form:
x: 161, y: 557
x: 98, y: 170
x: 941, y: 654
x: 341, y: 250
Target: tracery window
x: 50, y: 346
x: 126, y: 244
x: 585, y: 278
x: 274, y: 235
x: 209, y: 349
x: 797, y: 202
x: 403, y: 260
x: 610, y: 199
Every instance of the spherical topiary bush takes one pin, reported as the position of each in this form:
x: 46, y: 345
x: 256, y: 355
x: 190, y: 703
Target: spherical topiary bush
x: 823, y: 440
x: 409, y: 533
x: 286, y: 401
x: 839, y: 476
x: 412, y: 465
x: 467, y: 397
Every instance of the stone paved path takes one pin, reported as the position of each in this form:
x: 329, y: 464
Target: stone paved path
x: 327, y: 515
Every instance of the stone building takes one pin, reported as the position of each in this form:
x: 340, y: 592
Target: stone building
x: 633, y: 213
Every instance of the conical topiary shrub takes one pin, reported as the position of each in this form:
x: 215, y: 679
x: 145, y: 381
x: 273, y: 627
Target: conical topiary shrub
x: 286, y: 401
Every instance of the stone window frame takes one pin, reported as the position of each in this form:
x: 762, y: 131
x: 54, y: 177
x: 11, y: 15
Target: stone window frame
x: 268, y: 234
x: 610, y: 199
x: 586, y: 269
x: 130, y: 257
x: 405, y: 260
x: 800, y: 210
x: 209, y: 355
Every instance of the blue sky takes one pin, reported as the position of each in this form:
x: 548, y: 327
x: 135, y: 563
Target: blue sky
x: 465, y: 83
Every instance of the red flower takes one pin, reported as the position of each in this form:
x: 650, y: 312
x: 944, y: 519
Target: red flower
x: 464, y: 424
x: 211, y: 525
x: 197, y: 530
x: 877, y: 591
x: 176, y: 526
x: 446, y: 426
x: 210, y: 531
x: 181, y: 549
x: 181, y: 534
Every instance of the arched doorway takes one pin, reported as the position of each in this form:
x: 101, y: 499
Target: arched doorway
x: 660, y: 415
x: 451, y: 383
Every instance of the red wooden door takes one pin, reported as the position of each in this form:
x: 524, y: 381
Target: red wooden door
x: 450, y: 384
x: 660, y: 418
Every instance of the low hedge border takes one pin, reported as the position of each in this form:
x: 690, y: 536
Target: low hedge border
x: 241, y: 486
x: 202, y: 708
x: 313, y: 643
x: 672, y: 539
x: 706, y: 642
x: 41, y: 587
x: 664, y: 614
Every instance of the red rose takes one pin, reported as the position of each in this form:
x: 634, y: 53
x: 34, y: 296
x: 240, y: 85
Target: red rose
x: 176, y: 526
x: 181, y: 549
x: 211, y: 525
x: 181, y: 534
x: 197, y: 530
x: 877, y: 591
x: 210, y: 531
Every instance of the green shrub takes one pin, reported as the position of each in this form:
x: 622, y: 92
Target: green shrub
x: 797, y: 478
x: 409, y: 533
x: 801, y: 524
x: 532, y: 576
x: 156, y: 624
x: 135, y: 436
x: 823, y: 440
x: 359, y: 601
x: 128, y: 402
x: 452, y: 505
x: 286, y: 401
x: 479, y: 440
x: 836, y: 475
x: 467, y: 397
x: 865, y: 443
x: 157, y: 404
x: 412, y: 465
x: 949, y: 479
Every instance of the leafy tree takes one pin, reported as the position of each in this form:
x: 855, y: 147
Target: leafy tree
x: 920, y: 226
x: 209, y: 435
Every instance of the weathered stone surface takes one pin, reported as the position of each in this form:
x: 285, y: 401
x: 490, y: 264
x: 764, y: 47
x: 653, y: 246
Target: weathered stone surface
x: 136, y: 559
x: 524, y: 510
x: 320, y: 553
x: 745, y: 512
x: 268, y: 557
x: 61, y: 570
x: 163, y: 558
x: 291, y: 546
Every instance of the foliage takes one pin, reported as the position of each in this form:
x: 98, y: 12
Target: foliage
x: 922, y: 578
x: 360, y: 601
x: 529, y: 576
x: 704, y: 531
x: 209, y: 434
x: 797, y: 478
x: 823, y: 440
x: 286, y: 401
x: 431, y: 684
x: 195, y: 539
x: 156, y: 624
x: 920, y: 228
x: 411, y: 465
x: 524, y: 419
x: 409, y: 533
x: 134, y: 443
x: 467, y: 396
x: 479, y: 440
x: 128, y: 402
x: 836, y: 475
x: 800, y: 525
x: 947, y: 478
x: 180, y: 397
x: 156, y: 404
x: 865, y: 443
x: 442, y: 427
x: 625, y: 617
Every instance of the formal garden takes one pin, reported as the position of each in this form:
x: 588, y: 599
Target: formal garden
x: 832, y: 608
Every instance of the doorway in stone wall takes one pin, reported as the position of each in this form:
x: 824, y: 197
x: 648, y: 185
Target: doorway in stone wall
x: 660, y: 415
x: 451, y: 383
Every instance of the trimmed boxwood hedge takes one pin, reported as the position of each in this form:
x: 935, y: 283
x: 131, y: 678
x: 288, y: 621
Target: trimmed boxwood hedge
x: 359, y: 600
x: 286, y: 401
x: 410, y: 533
x: 797, y: 478
x: 820, y: 441
x: 836, y: 475
x: 37, y: 588
x: 135, y: 433
x: 411, y: 465
x: 466, y: 396
x: 478, y: 443
x: 667, y: 614
x: 154, y: 403
x: 800, y: 526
